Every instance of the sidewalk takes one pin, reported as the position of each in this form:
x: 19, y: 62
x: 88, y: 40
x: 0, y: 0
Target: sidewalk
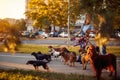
x: 58, y: 67
x: 55, y: 66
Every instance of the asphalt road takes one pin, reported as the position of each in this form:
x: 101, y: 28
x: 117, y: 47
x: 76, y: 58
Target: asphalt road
x: 19, y: 60
x: 8, y: 61
x: 64, y: 41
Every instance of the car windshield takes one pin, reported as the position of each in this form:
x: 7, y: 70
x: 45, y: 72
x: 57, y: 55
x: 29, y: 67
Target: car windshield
x: 63, y: 32
x: 40, y: 32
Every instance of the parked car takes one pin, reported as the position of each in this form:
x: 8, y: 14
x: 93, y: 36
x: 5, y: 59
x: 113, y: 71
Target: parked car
x: 25, y: 34
x: 117, y: 34
x: 53, y: 34
x: 77, y: 35
x: 63, y: 34
x: 42, y: 34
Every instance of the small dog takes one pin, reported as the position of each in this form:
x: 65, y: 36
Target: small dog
x: 55, y: 52
x: 56, y: 49
x: 36, y: 64
x: 40, y: 56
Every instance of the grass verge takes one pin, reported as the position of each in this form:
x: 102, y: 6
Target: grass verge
x: 44, y: 49
x: 28, y: 48
x: 15, y: 74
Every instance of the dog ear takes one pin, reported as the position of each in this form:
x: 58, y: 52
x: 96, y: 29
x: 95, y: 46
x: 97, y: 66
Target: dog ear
x: 39, y: 52
x: 50, y: 47
x: 33, y: 53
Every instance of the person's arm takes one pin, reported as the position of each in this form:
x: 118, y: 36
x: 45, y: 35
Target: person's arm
x: 80, y: 30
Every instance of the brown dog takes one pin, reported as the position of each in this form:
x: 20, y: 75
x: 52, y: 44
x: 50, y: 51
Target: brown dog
x: 68, y: 56
x: 56, y: 49
x: 84, y: 60
x: 85, y: 57
x: 100, y: 62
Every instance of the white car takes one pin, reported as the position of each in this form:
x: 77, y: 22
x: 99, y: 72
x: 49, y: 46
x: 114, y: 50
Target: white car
x: 43, y: 34
x: 78, y: 35
x: 63, y: 34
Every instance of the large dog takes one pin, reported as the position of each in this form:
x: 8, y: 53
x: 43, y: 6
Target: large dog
x: 36, y: 64
x: 100, y: 62
x: 40, y: 56
x: 68, y: 56
x: 85, y: 58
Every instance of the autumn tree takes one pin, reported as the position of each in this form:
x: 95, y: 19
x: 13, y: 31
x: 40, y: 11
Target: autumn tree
x: 104, y: 15
x: 46, y: 12
x: 10, y: 35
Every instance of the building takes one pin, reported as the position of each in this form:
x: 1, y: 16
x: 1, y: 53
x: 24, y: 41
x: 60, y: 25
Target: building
x: 29, y: 22
x: 80, y: 21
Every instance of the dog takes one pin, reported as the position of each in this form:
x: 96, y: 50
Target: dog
x: 56, y: 49
x: 36, y: 64
x: 71, y: 57
x: 85, y: 58
x: 40, y: 56
x: 100, y: 62
x: 55, y: 52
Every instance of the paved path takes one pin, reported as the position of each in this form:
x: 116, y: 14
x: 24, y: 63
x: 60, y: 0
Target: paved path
x: 64, y: 41
x: 57, y: 66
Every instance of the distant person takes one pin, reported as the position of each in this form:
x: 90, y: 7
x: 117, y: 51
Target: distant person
x: 55, y: 34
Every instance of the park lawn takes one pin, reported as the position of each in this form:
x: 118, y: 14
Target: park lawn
x: 29, y: 48
x: 44, y: 49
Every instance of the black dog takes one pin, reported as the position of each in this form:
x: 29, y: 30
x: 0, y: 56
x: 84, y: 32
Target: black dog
x: 40, y: 56
x: 36, y: 64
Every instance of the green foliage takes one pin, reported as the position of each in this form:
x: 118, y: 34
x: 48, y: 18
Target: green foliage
x: 33, y: 75
x: 10, y: 35
x: 52, y: 11
x: 45, y: 12
x: 4, y: 26
x: 15, y: 74
x: 111, y: 14
x: 20, y: 24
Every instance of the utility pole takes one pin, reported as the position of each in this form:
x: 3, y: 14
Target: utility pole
x: 68, y: 40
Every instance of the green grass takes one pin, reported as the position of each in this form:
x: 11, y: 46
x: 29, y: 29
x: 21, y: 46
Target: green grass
x: 15, y: 74
x: 28, y: 48
x: 114, y: 49
x: 44, y: 48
